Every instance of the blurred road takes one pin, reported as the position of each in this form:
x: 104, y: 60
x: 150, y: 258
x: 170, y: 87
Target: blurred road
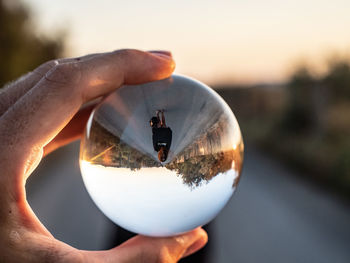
x: 275, y: 216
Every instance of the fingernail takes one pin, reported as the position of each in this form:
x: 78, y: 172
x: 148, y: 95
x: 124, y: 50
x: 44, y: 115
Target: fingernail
x: 195, y: 246
x: 161, y: 53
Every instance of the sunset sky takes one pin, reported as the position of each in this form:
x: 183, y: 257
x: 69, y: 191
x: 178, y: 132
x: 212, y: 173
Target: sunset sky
x: 218, y: 41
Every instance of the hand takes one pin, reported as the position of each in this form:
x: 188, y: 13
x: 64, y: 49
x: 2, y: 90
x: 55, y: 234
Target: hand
x: 39, y: 113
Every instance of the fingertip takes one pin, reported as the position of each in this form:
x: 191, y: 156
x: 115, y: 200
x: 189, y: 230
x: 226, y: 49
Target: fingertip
x: 200, y: 242
x: 204, y: 234
x: 142, y: 67
x: 165, y: 57
x: 199, y: 231
x: 165, y: 64
x: 164, y: 52
x: 201, y: 234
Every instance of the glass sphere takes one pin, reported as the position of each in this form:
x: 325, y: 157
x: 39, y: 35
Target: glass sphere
x: 162, y: 158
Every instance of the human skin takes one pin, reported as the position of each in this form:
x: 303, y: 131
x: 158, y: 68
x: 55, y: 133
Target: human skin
x: 46, y: 109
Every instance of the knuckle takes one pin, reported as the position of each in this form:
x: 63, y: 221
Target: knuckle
x: 65, y: 74
x: 50, y: 64
x: 47, y: 66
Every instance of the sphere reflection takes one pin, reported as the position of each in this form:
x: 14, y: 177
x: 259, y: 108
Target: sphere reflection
x: 162, y: 158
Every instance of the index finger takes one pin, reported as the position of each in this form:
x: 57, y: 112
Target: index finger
x: 12, y: 91
x: 45, y: 109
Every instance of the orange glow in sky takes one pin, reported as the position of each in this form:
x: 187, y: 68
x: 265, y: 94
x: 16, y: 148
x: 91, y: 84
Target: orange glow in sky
x: 214, y: 41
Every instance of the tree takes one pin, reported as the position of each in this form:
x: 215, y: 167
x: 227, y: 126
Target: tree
x: 22, y: 48
x: 298, y: 115
x: 194, y: 168
x: 338, y: 79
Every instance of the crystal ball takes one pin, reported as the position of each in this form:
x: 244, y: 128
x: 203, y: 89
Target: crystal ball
x: 162, y: 158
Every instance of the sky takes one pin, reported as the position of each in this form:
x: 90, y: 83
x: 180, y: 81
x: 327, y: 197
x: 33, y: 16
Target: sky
x: 217, y: 42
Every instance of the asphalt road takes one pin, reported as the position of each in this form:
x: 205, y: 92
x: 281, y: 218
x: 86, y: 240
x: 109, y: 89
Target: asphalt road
x: 275, y: 215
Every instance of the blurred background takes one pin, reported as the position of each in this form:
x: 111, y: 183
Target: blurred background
x: 284, y: 69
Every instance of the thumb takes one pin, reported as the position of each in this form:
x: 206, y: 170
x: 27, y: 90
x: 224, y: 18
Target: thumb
x: 151, y: 249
